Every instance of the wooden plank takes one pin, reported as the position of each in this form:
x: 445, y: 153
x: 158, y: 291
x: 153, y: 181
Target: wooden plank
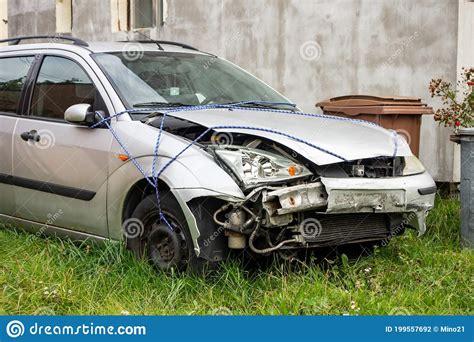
x: 63, y: 16
x: 119, y: 10
x: 3, y: 19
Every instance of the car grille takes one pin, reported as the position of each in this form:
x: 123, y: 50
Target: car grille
x: 341, y: 229
x: 368, y: 168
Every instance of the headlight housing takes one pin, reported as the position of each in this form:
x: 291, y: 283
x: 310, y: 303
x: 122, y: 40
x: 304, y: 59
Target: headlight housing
x: 254, y: 167
x: 412, y: 166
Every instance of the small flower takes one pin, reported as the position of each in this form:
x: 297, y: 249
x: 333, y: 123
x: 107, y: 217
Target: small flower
x: 125, y: 313
x: 368, y: 269
x: 354, y: 306
x: 457, y: 111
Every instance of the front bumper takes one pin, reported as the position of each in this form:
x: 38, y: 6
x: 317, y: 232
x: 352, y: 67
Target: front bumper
x: 409, y: 194
x: 343, y: 210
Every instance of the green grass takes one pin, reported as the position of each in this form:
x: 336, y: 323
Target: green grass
x: 428, y: 275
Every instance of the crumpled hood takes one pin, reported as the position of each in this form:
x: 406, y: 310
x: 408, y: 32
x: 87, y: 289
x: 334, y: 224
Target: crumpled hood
x: 336, y: 139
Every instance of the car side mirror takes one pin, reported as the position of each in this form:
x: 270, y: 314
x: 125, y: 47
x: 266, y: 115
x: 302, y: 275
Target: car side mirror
x: 81, y: 114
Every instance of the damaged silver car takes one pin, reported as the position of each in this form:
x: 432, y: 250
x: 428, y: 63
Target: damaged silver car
x: 189, y: 157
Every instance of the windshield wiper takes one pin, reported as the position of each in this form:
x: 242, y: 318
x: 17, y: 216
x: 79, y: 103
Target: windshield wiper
x: 160, y: 104
x: 262, y: 104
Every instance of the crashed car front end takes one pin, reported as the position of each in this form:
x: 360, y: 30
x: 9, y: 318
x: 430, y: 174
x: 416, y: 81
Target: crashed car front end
x: 292, y: 201
x: 326, y: 209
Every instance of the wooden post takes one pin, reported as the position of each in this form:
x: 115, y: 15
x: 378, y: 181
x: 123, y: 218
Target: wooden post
x: 3, y: 19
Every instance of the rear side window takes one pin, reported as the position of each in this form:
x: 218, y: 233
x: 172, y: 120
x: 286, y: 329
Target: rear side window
x: 13, y: 71
x: 60, y: 84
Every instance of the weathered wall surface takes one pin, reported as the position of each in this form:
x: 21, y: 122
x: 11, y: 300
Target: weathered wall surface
x: 307, y: 49
x: 29, y: 17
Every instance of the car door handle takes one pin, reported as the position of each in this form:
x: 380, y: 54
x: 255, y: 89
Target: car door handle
x: 31, y: 135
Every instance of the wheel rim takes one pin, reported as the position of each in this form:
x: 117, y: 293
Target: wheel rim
x: 166, y: 249
x: 166, y: 246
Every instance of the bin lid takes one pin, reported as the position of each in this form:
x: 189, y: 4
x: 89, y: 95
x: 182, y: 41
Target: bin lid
x: 367, y: 104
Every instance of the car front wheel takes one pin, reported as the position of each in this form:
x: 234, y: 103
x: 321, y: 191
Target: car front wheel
x: 165, y: 243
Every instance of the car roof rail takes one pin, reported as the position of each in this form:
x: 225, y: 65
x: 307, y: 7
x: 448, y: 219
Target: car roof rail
x: 168, y: 42
x: 17, y: 40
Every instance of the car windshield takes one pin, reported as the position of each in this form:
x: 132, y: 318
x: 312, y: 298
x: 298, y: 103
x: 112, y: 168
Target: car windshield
x: 180, y: 79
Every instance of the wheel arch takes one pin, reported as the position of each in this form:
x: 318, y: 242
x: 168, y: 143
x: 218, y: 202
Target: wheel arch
x: 127, y: 186
x: 209, y: 242
x: 137, y: 193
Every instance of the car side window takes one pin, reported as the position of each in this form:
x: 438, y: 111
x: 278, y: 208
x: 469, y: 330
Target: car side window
x: 13, y: 72
x: 60, y: 84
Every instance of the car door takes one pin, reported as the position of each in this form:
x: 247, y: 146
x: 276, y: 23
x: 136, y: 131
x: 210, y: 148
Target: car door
x: 13, y: 73
x: 60, y: 169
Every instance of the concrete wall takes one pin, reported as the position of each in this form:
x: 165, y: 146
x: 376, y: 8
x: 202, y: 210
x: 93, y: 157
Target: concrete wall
x: 29, y: 17
x: 307, y: 49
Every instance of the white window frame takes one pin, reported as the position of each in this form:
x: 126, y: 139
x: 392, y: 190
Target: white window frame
x: 119, y: 15
x: 3, y: 19
x: 63, y: 16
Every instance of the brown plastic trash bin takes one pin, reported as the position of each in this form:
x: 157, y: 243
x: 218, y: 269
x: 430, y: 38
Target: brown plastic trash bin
x: 402, y: 114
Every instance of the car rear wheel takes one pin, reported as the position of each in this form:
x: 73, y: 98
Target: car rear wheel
x: 166, y: 245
